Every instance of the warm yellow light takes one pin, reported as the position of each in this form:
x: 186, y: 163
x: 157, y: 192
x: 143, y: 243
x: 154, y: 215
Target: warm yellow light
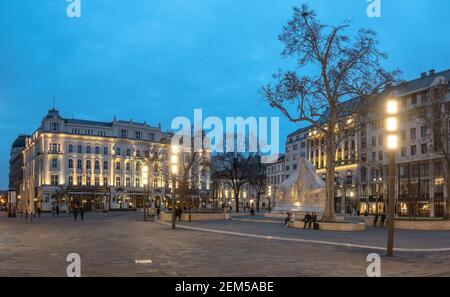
x: 391, y: 124
x: 392, y: 141
x: 392, y: 106
x: 175, y: 149
x: 174, y: 169
x: 174, y: 159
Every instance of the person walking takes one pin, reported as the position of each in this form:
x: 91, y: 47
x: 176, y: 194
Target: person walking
x: 287, y: 220
x: 382, y: 220
x: 158, y: 212
x: 307, y: 220
x: 82, y: 213
x: 57, y: 210
x: 75, y: 213
x: 39, y: 211
x: 180, y: 211
x: 375, y: 220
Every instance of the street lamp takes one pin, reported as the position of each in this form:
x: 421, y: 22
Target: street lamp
x: 392, y: 146
x: 173, y: 173
x: 146, y: 191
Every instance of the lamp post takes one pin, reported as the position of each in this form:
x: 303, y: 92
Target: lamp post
x: 173, y: 173
x: 392, y: 146
x: 146, y: 191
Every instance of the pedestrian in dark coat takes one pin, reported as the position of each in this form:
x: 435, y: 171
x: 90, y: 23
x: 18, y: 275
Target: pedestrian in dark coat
x: 307, y: 220
x: 375, y: 220
x: 383, y: 219
x: 82, y: 213
x: 75, y: 213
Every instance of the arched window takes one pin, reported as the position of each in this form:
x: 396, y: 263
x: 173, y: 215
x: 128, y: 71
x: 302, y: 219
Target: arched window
x: 70, y: 163
x: 88, y: 164
x: 88, y: 181
x: 128, y: 166
x: 97, y: 165
x: 80, y: 149
x: 117, y: 165
x: 88, y: 149
x: 79, y: 164
x: 117, y: 181
x: 138, y: 183
x: 105, y: 165
x: 97, y: 150
x: 105, y: 181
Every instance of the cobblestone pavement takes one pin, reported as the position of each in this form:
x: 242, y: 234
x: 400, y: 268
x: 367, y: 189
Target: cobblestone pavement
x: 110, y: 243
x: 404, y: 239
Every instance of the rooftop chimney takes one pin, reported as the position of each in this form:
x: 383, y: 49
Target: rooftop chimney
x: 432, y: 71
x: 423, y: 75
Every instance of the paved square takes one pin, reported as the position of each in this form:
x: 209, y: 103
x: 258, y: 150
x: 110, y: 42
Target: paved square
x: 109, y: 245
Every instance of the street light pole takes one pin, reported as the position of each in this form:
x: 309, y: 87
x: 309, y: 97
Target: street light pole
x: 391, y: 195
x: 392, y: 144
x: 174, y: 170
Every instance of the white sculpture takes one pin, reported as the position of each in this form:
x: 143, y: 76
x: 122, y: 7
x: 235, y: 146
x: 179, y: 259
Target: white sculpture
x: 303, y: 191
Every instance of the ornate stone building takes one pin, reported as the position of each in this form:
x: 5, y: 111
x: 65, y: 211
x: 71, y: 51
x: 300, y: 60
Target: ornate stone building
x: 102, y: 165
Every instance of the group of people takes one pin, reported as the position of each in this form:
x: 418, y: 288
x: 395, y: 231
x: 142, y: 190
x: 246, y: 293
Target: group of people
x: 382, y: 219
x: 227, y: 210
x: 77, y: 210
x: 55, y: 210
x: 309, y: 219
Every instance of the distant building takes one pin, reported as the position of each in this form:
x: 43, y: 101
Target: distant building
x: 16, y: 163
x: 296, y: 147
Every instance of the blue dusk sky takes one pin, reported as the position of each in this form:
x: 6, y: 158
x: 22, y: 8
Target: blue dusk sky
x: 154, y: 60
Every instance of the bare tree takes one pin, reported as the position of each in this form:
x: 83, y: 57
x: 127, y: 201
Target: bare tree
x: 435, y: 115
x: 192, y: 166
x: 344, y: 68
x: 234, y: 169
x: 257, y: 178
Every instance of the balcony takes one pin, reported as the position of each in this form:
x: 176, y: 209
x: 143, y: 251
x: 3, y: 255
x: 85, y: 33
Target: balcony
x: 54, y: 152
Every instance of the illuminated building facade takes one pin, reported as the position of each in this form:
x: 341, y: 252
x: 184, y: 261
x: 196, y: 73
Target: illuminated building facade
x: 101, y: 165
x: 361, y: 160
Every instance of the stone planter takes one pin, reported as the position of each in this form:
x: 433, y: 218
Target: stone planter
x: 423, y: 225
x: 337, y: 226
x: 195, y: 216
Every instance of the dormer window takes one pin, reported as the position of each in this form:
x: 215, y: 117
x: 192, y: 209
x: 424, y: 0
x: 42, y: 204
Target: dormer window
x: 54, y: 127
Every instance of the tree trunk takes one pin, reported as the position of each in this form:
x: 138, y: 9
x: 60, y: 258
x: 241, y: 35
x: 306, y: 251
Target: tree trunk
x: 236, y: 199
x: 328, y: 212
x: 258, y: 197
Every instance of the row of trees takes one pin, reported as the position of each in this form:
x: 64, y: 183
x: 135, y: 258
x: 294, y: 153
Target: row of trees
x: 237, y: 169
